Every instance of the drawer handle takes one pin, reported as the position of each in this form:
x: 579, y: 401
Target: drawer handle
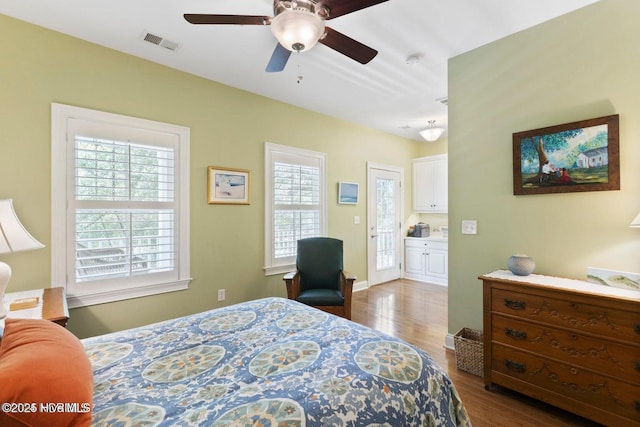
x: 636, y: 405
x: 636, y: 365
x: 515, y: 366
x: 636, y: 327
x: 514, y: 333
x: 516, y: 305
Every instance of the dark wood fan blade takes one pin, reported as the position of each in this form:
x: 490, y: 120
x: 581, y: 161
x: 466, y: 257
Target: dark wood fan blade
x: 278, y: 59
x: 342, y: 7
x: 347, y: 46
x: 196, y: 18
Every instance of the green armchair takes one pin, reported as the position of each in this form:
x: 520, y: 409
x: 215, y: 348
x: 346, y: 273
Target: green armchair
x: 320, y: 279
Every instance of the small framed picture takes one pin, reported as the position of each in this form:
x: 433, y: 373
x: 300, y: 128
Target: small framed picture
x: 348, y: 193
x: 226, y: 186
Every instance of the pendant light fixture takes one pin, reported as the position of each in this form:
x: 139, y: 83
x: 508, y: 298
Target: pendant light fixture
x: 431, y: 133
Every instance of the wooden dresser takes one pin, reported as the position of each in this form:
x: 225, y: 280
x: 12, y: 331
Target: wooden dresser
x: 572, y: 344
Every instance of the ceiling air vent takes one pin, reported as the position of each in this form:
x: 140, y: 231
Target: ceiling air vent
x: 160, y: 41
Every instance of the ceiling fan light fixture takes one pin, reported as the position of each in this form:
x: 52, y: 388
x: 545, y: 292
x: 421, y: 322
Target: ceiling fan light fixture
x: 432, y: 132
x: 297, y: 30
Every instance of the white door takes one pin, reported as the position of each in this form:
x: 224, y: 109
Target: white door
x: 384, y: 222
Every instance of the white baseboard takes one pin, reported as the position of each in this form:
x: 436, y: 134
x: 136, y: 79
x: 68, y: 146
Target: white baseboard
x: 448, y: 342
x: 360, y: 286
x: 427, y: 279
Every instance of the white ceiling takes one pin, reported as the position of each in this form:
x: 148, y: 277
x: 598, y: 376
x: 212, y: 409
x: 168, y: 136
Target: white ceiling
x: 386, y: 94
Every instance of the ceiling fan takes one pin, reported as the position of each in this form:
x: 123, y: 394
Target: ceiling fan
x: 299, y: 25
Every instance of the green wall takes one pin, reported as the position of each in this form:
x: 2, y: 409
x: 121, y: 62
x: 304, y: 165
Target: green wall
x: 228, y: 128
x: 582, y: 65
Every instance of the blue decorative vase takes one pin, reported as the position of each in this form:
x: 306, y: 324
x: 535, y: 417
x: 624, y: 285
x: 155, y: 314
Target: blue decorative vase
x: 521, y: 265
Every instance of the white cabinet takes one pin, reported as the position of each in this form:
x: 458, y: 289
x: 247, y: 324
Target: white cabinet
x: 426, y: 260
x: 415, y: 262
x: 430, y: 184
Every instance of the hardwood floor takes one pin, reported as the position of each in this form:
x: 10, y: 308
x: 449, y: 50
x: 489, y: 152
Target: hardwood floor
x: 417, y: 313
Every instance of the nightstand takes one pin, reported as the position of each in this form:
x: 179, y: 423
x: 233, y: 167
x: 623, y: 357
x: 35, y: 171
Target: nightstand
x: 52, y: 305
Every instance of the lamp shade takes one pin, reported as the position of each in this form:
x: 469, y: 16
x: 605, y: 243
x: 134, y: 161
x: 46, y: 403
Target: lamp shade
x: 431, y: 133
x: 636, y: 222
x: 297, y: 30
x: 13, y: 236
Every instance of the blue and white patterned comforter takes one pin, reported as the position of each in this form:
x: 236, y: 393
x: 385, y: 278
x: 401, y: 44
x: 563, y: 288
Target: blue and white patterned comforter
x: 269, y: 362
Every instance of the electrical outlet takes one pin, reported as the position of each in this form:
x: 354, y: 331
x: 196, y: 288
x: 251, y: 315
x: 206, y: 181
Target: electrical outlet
x: 221, y: 295
x: 469, y: 227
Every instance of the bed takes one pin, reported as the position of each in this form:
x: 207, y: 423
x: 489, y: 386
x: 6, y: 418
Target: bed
x: 266, y: 362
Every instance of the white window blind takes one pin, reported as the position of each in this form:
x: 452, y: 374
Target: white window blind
x: 120, y: 202
x: 297, y: 209
x: 119, y: 242
x: 112, y: 170
x: 295, y: 187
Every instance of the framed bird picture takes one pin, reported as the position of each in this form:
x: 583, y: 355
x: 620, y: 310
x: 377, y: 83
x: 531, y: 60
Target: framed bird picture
x: 228, y: 186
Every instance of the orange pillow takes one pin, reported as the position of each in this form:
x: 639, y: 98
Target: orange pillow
x: 46, y: 378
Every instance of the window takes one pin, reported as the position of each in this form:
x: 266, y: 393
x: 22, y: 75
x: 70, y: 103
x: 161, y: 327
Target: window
x: 295, y: 192
x: 120, y: 200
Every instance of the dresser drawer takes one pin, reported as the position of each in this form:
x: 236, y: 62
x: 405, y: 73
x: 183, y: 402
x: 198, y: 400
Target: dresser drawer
x: 618, y: 397
x: 609, y: 358
x: 578, y: 316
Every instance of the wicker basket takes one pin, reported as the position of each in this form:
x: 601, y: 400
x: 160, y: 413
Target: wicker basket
x: 469, y: 351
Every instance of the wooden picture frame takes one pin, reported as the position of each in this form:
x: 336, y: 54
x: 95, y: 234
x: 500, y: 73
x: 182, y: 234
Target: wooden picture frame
x: 572, y: 157
x: 227, y: 186
x: 347, y: 193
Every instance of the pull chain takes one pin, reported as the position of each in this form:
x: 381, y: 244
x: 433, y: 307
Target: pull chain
x: 300, y: 76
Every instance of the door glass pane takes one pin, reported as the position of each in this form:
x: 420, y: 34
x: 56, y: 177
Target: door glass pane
x: 385, y: 223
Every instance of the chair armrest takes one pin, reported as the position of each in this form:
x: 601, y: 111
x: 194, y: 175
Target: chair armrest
x: 348, y: 276
x: 292, y: 280
x: 346, y: 285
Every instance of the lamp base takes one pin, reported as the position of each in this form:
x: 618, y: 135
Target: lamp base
x: 5, y: 276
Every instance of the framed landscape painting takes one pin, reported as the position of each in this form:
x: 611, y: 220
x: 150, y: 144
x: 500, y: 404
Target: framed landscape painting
x: 578, y: 156
x: 228, y: 186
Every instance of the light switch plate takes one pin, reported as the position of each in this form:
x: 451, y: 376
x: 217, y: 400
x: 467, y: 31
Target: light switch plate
x: 469, y: 227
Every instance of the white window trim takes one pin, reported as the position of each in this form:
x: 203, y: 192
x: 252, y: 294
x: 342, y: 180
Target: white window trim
x: 270, y: 267
x: 60, y: 114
